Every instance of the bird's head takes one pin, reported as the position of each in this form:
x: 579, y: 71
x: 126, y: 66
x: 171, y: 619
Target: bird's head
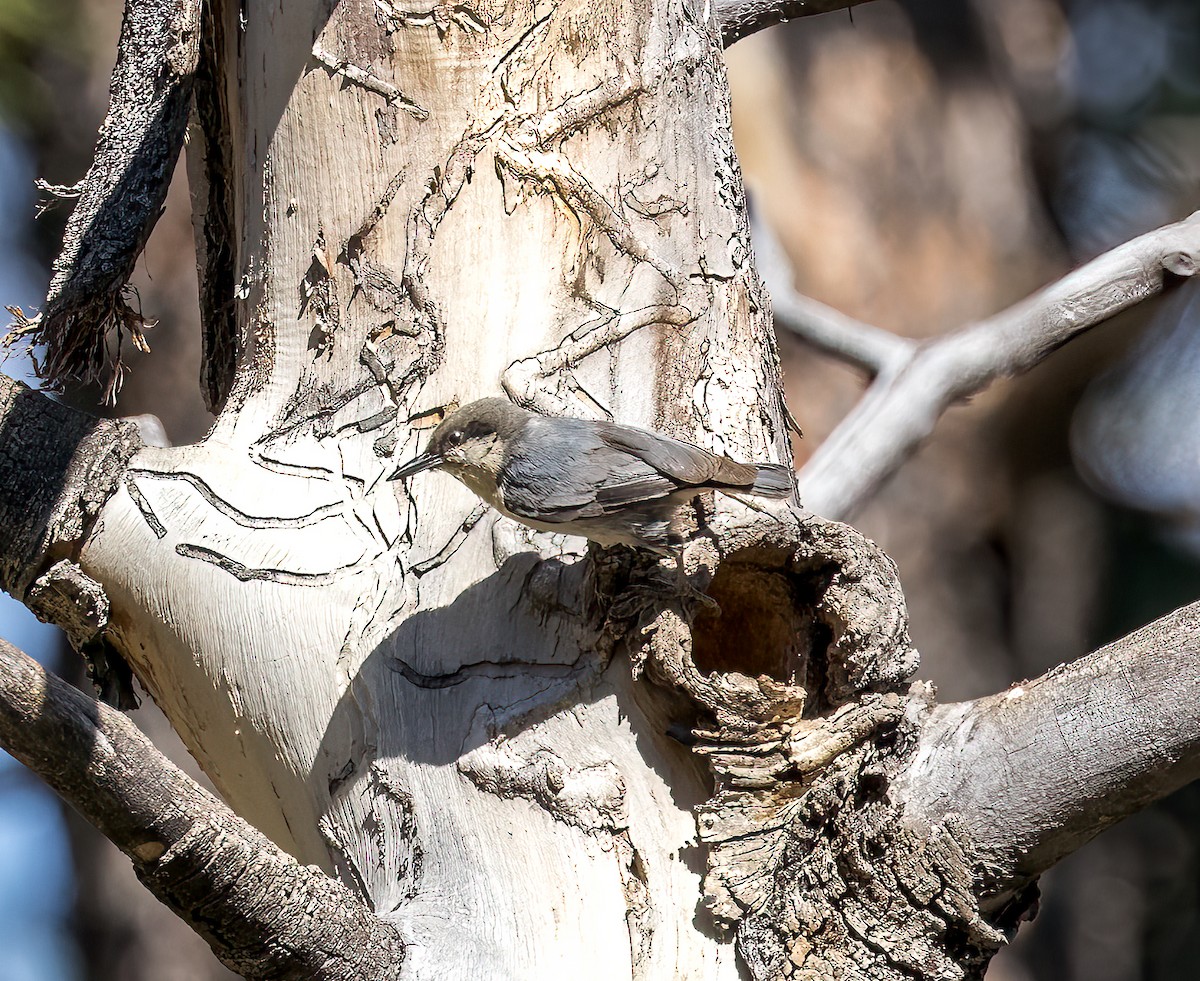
x: 470, y: 442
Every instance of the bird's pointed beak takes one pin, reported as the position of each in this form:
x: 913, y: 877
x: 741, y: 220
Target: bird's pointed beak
x: 426, y: 461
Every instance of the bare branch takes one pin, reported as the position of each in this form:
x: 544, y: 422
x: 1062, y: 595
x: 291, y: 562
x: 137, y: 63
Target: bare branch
x: 739, y: 18
x: 827, y: 329
x: 1026, y: 776
x: 264, y: 915
x: 902, y: 406
x: 120, y: 199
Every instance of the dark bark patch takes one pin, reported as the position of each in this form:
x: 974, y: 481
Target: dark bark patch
x: 120, y: 200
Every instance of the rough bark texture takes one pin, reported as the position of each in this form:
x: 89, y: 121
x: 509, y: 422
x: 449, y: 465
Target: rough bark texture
x: 738, y: 18
x: 127, y: 933
x: 120, y: 199
x: 58, y: 467
x: 265, y: 916
x: 799, y: 688
x: 211, y: 177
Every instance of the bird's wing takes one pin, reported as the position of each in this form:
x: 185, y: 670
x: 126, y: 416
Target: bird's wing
x: 685, y: 464
x: 587, y: 470
x: 564, y: 470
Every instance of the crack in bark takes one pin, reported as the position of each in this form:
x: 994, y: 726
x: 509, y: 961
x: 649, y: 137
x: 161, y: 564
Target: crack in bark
x: 246, y: 573
x: 212, y: 177
x: 524, y: 152
x: 368, y: 80
x: 480, y: 669
x: 580, y: 110
x: 638, y: 909
x: 219, y: 504
x: 526, y: 38
x: 550, y: 169
x: 453, y: 544
x: 318, y: 290
x: 395, y: 859
x: 313, y: 402
x: 145, y: 509
x: 524, y: 380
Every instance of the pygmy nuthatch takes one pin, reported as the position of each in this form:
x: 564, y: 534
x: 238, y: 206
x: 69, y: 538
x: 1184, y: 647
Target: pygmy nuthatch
x: 610, y: 483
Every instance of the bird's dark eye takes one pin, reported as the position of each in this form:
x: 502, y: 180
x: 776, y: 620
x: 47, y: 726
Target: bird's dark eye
x: 454, y: 437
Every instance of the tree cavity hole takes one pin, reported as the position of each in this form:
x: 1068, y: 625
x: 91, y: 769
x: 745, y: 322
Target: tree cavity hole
x: 761, y: 627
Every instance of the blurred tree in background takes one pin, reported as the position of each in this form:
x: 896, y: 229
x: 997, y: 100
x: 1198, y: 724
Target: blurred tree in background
x: 923, y: 164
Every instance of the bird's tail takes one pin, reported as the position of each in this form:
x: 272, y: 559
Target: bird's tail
x: 773, y: 480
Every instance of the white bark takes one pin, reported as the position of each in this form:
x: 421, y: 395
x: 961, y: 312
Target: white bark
x: 427, y: 206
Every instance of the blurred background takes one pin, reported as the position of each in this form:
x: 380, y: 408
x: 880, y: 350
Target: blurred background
x: 923, y: 164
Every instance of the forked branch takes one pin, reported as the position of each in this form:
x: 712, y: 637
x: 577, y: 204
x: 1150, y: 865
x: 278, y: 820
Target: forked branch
x: 915, y: 383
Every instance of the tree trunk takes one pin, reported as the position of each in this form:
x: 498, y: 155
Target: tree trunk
x: 397, y: 210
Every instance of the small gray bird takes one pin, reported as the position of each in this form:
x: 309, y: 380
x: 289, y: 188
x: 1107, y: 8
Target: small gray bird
x: 613, y: 484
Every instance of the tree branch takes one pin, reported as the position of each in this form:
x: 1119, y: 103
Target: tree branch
x: 120, y: 199
x: 905, y: 401
x: 58, y: 466
x: 739, y: 18
x: 264, y: 915
x: 1026, y: 776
